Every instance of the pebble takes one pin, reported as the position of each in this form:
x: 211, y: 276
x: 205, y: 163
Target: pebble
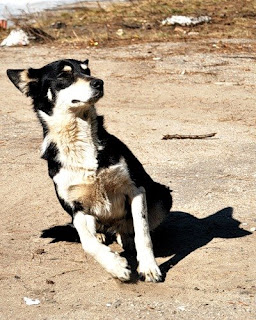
x: 181, y: 308
x: 192, y: 33
x: 31, y: 302
x: 49, y: 281
x: 117, y: 303
x: 40, y: 251
x: 120, y: 32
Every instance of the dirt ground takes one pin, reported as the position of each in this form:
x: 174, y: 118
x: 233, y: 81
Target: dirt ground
x: 206, y: 249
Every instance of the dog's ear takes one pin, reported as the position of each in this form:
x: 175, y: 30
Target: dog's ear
x: 23, y: 79
x: 86, y: 68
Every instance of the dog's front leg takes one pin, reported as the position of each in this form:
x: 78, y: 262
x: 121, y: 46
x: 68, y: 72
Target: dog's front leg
x: 148, y: 268
x: 112, y: 262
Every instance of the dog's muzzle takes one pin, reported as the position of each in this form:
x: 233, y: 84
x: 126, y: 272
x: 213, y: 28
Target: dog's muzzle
x: 97, y: 92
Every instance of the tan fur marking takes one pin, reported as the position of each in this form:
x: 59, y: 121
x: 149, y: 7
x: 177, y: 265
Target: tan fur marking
x: 106, y: 195
x: 24, y: 81
x: 84, y: 66
x: 67, y: 68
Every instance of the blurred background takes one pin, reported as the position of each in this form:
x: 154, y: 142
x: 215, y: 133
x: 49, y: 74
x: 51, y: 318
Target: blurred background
x: 114, y: 23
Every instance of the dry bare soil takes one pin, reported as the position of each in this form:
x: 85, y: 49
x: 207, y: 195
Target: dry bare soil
x: 206, y: 249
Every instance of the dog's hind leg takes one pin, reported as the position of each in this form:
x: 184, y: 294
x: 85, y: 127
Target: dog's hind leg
x: 148, y: 268
x: 86, y: 227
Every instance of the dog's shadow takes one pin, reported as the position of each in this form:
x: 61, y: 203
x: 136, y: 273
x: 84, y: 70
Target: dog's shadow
x: 177, y: 237
x: 183, y: 233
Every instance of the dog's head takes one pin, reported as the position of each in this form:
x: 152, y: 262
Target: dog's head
x: 64, y: 85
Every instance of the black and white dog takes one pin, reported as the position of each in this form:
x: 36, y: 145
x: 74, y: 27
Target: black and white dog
x: 98, y: 181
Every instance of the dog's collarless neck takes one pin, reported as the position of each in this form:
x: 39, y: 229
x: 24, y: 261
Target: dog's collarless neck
x: 76, y: 139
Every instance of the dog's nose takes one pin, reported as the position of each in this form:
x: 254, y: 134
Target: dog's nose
x: 97, y: 84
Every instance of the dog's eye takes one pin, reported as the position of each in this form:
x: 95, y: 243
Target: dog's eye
x: 64, y: 79
x: 63, y: 74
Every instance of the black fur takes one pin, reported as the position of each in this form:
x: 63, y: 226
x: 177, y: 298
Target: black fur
x: 51, y: 77
x: 97, y: 179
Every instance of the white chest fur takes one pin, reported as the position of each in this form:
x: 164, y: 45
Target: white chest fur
x: 77, y: 149
x: 75, y: 139
x: 77, y: 146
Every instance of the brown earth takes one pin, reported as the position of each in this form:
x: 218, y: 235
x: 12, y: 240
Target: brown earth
x: 206, y: 248
x: 114, y: 23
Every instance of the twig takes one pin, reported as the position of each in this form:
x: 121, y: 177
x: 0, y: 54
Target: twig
x: 184, y: 136
x: 240, y: 57
x: 64, y: 272
x: 75, y: 34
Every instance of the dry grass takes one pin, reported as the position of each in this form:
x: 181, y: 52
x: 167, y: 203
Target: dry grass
x: 140, y: 21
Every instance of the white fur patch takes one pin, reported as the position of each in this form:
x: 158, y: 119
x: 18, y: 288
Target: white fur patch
x: 77, y: 148
x: 145, y: 256
x: 49, y: 94
x: 112, y: 262
x: 45, y: 144
x: 75, y: 139
x: 67, y: 177
x: 80, y: 91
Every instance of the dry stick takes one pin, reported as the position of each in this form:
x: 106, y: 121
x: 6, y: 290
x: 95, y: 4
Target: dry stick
x: 75, y: 34
x: 183, y: 136
x: 240, y: 57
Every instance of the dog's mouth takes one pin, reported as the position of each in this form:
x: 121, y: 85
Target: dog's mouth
x: 96, y: 96
x: 76, y: 101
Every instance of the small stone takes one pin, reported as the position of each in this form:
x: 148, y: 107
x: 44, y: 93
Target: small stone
x: 117, y: 303
x: 39, y: 251
x: 49, y: 281
x: 193, y: 33
x: 252, y: 229
x: 180, y: 30
x: 120, y: 32
x: 31, y: 302
x: 181, y: 308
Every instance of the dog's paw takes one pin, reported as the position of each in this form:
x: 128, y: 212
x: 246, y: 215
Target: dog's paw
x: 150, y: 273
x: 118, y: 267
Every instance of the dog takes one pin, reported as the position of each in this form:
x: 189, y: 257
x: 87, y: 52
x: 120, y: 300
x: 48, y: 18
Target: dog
x: 97, y: 179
